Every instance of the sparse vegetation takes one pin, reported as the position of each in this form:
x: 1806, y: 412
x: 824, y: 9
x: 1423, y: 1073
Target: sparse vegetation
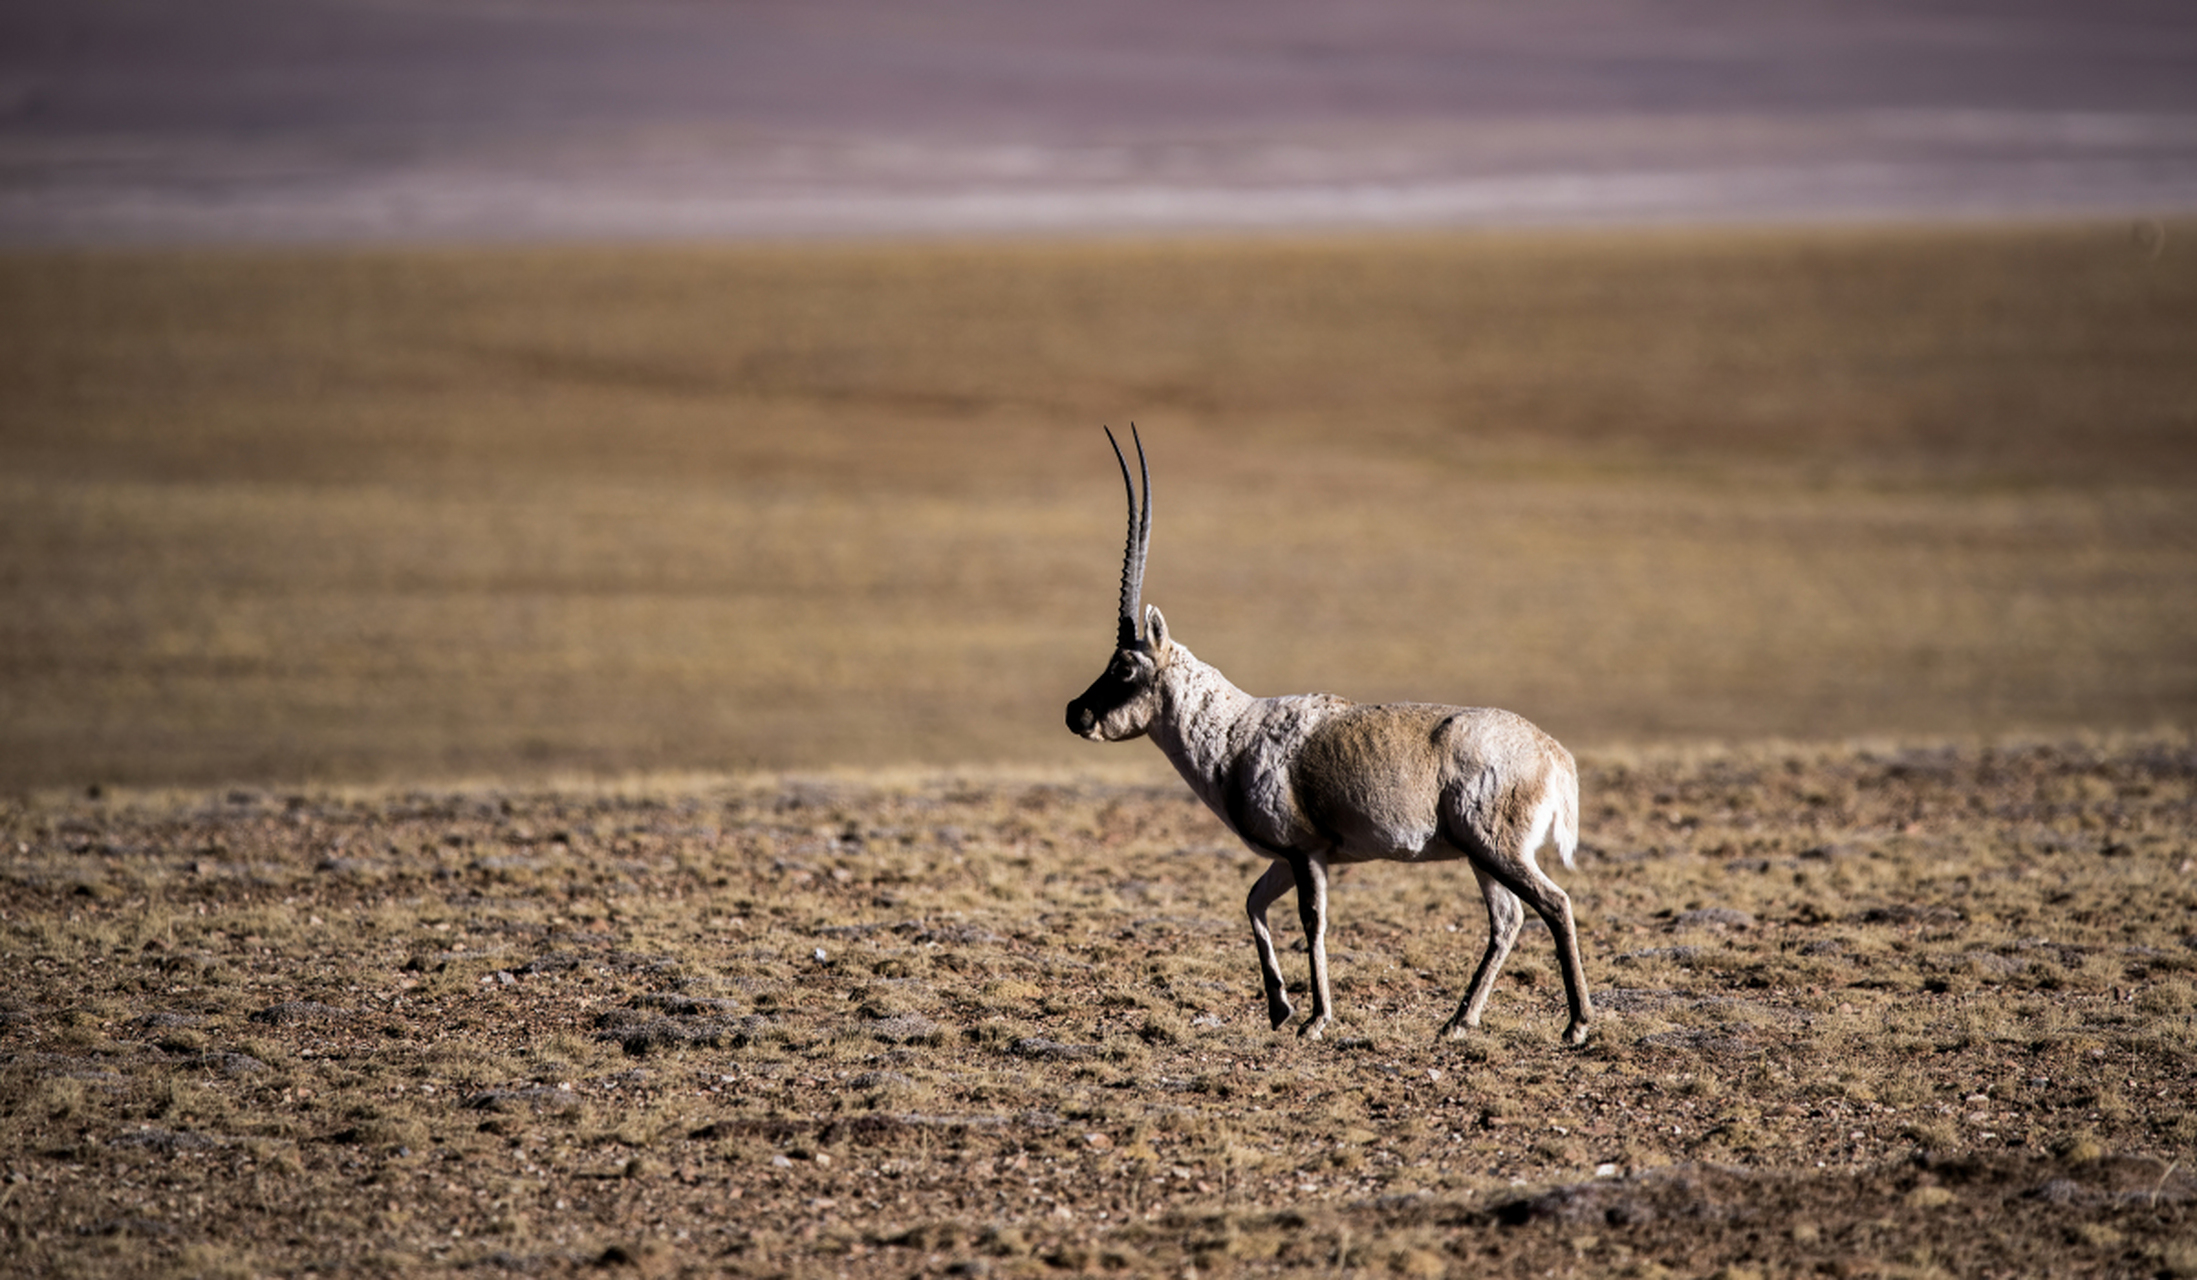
x: 289, y: 516
x: 275, y: 522
x: 880, y: 1026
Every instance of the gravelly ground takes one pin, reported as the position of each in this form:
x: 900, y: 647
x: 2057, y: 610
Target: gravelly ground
x: 1862, y: 1012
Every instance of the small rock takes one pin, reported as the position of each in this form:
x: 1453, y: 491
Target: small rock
x: 297, y: 1011
x: 228, y: 1064
x: 1713, y: 917
x: 685, y: 1006
x: 1039, y: 1047
x: 906, y: 1028
x: 513, y: 1099
x: 879, y: 1080
x: 163, y: 1140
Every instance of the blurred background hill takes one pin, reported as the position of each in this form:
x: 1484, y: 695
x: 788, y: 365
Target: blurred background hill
x: 489, y: 119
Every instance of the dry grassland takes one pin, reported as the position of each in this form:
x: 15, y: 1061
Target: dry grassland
x: 1863, y: 1013
x: 303, y: 520
x: 287, y: 516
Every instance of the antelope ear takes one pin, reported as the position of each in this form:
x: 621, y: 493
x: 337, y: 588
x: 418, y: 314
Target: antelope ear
x: 1155, y: 628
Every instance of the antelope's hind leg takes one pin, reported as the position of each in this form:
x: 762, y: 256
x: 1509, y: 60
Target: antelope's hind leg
x: 1505, y: 918
x: 1515, y: 871
x: 1553, y: 905
x: 1277, y: 880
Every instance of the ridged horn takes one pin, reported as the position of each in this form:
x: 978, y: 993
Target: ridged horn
x: 1140, y: 538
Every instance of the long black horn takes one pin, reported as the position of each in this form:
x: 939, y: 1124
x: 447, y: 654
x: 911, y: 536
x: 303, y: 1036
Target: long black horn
x: 1140, y: 537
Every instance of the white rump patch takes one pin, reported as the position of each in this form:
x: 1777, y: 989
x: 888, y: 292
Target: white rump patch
x: 1554, y: 816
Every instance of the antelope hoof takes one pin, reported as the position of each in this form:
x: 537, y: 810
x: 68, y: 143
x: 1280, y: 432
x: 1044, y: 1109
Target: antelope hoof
x: 1575, y: 1034
x: 1279, y: 1012
x: 1313, y: 1029
x: 1454, y: 1029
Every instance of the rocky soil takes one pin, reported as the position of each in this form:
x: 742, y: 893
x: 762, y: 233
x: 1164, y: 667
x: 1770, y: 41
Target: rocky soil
x: 1862, y: 1012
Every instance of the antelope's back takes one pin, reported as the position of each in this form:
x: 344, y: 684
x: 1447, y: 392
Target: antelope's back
x: 1381, y: 780
x: 1370, y: 778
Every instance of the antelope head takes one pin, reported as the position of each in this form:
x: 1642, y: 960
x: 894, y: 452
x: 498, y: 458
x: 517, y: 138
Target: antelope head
x: 1120, y: 704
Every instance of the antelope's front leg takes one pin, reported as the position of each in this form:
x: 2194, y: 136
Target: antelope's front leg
x: 1272, y: 885
x: 1310, y: 873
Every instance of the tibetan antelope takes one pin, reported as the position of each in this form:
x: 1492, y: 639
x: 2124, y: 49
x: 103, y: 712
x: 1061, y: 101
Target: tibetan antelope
x: 1313, y: 781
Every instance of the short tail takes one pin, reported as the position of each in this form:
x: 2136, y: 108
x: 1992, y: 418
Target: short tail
x: 1556, y: 817
x: 1565, y: 826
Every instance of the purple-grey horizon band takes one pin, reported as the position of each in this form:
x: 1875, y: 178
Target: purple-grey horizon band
x: 143, y: 120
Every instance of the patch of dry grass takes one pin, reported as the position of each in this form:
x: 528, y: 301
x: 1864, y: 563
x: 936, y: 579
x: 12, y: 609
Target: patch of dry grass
x: 897, y: 1025
x: 339, y: 515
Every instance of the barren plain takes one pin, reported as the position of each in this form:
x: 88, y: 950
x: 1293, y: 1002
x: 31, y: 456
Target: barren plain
x: 1909, y: 1013
x: 353, y: 515
x: 539, y: 760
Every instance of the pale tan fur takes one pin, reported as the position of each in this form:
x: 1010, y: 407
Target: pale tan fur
x: 1314, y: 781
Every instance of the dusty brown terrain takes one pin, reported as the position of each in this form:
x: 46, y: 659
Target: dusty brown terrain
x: 1863, y: 1012
x: 275, y: 524
x: 343, y: 516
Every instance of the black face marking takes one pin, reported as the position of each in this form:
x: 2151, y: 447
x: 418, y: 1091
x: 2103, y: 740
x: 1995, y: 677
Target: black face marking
x: 1126, y: 678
